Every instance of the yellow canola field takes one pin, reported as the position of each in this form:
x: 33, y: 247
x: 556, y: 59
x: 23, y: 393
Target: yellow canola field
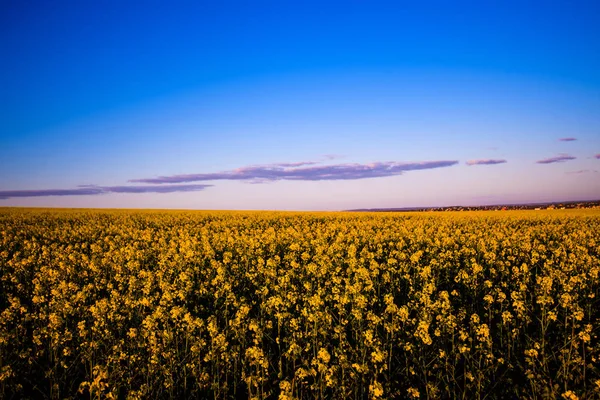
x: 165, y: 304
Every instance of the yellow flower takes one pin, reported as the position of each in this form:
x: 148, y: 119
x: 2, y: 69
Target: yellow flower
x: 413, y: 393
x: 376, y: 390
x: 324, y: 356
x: 531, y: 353
x: 483, y: 333
x: 569, y: 395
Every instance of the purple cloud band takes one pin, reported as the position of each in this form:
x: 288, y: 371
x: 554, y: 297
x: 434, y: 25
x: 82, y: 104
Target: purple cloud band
x: 597, y: 156
x: 91, y: 190
x: 557, y: 159
x: 306, y: 171
x: 567, y: 139
x: 485, y: 162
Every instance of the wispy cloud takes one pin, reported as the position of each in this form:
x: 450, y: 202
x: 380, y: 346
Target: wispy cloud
x: 485, y: 162
x: 582, y: 171
x: 556, y: 159
x: 292, y: 164
x: 597, y: 156
x: 304, y: 171
x: 91, y: 190
x: 87, y: 191
x: 154, y: 189
x: 567, y: 139
x: 332, y: 156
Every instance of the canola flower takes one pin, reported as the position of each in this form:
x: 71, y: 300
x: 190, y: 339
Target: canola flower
x: 149, y: 304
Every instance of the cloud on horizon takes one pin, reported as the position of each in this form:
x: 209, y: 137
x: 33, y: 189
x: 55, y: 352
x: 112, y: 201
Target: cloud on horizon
x: 485, y: 162
x: 92, y: 190
x: 567, y: 139
x: 303, y: 171
x: 582, y: 171
x: 556, y: 159
x: 597, y: 156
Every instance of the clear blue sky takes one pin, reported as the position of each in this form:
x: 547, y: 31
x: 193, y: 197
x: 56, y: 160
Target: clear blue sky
x: 298, y: 105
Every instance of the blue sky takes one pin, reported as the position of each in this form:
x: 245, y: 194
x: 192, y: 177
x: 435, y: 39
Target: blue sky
x: 298, y: 105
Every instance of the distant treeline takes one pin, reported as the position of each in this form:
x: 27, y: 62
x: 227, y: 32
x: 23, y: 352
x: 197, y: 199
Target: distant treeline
x: 496, y: 207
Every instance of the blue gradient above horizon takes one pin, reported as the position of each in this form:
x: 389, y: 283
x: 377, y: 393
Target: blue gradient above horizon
x: 105, y: 94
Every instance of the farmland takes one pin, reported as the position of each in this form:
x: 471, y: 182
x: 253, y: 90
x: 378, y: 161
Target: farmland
x: 176, y: 304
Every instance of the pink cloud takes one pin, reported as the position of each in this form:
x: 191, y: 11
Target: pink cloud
x: 556, y: 159
x: 485, y: 162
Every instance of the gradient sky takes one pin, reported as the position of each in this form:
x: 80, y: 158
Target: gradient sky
x: 298, y: 105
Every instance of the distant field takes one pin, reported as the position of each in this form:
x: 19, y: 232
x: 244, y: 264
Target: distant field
x: 176, y: 304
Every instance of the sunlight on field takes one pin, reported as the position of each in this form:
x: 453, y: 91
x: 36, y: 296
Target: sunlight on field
x: 171, y: 304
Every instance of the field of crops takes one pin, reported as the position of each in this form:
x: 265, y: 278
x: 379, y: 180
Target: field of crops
x: 134, y: 304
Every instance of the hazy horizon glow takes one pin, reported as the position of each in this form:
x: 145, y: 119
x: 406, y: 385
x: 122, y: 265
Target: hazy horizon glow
x: 308, y: 106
